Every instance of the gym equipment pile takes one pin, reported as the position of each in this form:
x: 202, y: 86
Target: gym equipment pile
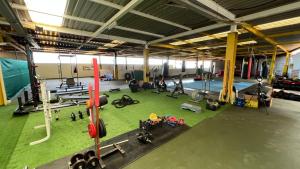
x: 124, y: 101
x: 145, y: 136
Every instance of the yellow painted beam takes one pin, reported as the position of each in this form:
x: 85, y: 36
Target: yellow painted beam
x: 284, y: 34
x: 146, y: 65
x: 256, y: 32
x: 272, y: 66
x: 286, y: 65
x: 289, y: 43
x: 229, y: 66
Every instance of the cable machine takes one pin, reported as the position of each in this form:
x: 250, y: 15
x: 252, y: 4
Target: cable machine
x: 69, y: 82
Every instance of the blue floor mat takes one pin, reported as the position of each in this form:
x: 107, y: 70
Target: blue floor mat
x: 215, y: 85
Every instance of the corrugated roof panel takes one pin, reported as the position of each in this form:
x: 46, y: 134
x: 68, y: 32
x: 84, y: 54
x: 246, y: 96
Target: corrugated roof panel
x: 172, y: 11
x: 77, y: 25
x: 246, y: 7
x: 89, y: 10
x: 141, y: 23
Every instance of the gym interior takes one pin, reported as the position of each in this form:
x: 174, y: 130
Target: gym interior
x: 88, y: 84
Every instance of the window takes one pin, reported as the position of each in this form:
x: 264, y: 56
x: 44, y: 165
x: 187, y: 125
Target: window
x: 121, y: 60
x: 172, y: 64
x: 157, y: 62
x: 41, y: 57
x: 190, y: 64
x: 107, y: 60
x: 178, y: 64
x: 84, y: 59
x: 135, y: 61
x: 207, y: 64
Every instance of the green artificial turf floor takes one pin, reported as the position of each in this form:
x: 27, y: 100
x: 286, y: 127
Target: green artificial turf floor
x: 68, y: 137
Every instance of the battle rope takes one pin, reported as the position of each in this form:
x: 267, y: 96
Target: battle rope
x: 124, y: 101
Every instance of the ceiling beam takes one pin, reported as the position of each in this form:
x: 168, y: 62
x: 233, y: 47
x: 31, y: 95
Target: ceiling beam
x: 31, y: 25
x: 273, y: 11
x: 289, y: 43
x: 198, y: 30
x: 285, y: 34
x: 256, y: 32
x: 128, y: 7
x: 7, y: 12
x: 203, y: 11
x: 270, y: 12
x: 217, y: 9
x: 74, y: 18
x: 116, y: 6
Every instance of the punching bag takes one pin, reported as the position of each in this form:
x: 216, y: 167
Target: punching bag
x: 75, y: 70
x: 183, y: 66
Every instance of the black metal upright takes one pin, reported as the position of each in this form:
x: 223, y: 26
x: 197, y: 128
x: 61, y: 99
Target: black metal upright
x: 32, y: 75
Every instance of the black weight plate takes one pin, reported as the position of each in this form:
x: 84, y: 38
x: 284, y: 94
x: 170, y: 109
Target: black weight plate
x: 87, y: 111
x: 80, y: 115
x: 73, y: 116
x: 75, y: 158
x: 89, y: 154
x: 92, y: 163
x: 102, y: 128
x: 81, y: 164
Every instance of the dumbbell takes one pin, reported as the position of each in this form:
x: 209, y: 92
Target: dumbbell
x: 73, y: 116
x: 80, y: 115
x: 87, y: 111
x: 56, y: 114
x: 92, y: 161
x: 77, y: 162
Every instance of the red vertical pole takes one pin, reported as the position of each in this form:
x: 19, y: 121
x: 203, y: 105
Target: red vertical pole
x: 249, y: 68
x: 96, y: 105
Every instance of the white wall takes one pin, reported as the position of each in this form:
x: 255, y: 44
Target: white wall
x: 280, y: 61
x: 50, y: 71
x: 294, y: 65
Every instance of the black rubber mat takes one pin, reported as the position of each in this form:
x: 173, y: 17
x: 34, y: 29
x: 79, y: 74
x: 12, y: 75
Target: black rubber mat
x: 133, y: 148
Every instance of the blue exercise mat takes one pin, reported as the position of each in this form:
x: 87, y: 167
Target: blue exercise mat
x: 215, y: 85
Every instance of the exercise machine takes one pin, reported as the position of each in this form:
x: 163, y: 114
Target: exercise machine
x: 133, y: 86
x: 193, y: 108
x: 47, y: 115
x: 69, y: 82
x: 178, y: 90
x: 160, y: 85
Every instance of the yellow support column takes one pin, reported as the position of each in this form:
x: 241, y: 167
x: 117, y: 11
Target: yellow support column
x: 229, y: 67
x: 116, y: 70
x: 286, y: 65
x: 3, y: 99
x: 272, y: 66
x: 146, y: 64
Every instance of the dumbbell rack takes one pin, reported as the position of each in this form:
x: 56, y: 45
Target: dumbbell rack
x: 83, y: 161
